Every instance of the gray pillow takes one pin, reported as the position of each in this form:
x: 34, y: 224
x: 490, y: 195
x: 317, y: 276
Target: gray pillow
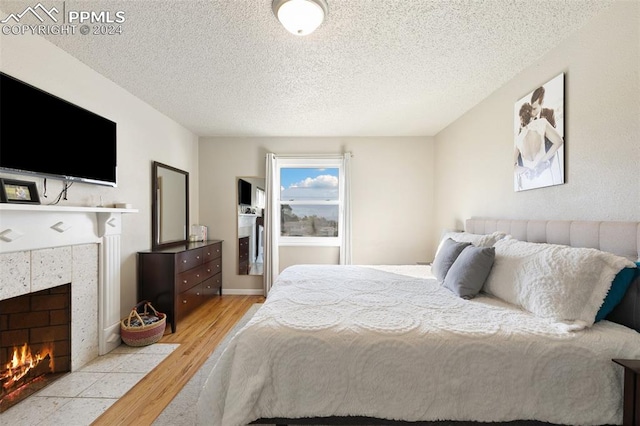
x: 469, y: 271
x: 447, y: 254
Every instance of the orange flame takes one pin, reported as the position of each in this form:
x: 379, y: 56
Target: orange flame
x: 21, y: 363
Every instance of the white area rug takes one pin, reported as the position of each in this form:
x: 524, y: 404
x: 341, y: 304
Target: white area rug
x: 182, y: 409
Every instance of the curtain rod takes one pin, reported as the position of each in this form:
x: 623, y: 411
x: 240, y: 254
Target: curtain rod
x: 312, y: 155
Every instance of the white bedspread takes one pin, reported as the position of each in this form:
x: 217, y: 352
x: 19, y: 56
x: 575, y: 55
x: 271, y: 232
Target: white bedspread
x: 372, y: 341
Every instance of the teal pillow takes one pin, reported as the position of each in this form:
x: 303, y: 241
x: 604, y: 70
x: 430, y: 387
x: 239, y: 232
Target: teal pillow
x: 619, y: 287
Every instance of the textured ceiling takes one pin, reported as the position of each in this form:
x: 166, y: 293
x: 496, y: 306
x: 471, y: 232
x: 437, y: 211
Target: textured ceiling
x: 373, y: 68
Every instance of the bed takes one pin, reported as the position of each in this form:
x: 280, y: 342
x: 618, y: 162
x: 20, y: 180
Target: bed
x: 378, y: 344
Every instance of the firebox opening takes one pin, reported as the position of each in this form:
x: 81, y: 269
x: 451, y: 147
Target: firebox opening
x: 35, y: 342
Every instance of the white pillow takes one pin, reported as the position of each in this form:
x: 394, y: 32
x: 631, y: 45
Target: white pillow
x: 478, y: 240
x: 552, y: 281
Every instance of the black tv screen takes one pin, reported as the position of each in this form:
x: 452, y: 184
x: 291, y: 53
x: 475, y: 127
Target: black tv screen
x: 244, y: 192
x: 46, y: 136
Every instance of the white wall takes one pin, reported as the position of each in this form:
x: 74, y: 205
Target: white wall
x: 400, y: 205
x: 144, y: 135
x: 392, y: 187
x: 474, y: 155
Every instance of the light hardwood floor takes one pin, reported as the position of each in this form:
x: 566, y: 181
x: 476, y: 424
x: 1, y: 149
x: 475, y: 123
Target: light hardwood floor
x: 198, y: 336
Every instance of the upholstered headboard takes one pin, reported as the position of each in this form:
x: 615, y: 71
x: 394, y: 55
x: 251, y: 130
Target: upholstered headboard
x: 621, y: 238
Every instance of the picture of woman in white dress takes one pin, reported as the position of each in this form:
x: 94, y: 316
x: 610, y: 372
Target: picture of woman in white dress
x: 536, y: 169
x: 539, y: 142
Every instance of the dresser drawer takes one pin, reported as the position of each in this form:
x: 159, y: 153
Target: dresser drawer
x: 243, y: 249
x: 187, y: 279
x: 211, y: 268
x: 214, y: 251
x: 188, y: 259
x: 215, y: 265
x: 189, y: 300
x: 212, y: 286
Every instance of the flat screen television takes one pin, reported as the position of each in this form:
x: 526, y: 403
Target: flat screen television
x: 45, y: 136
x: 244, y: 192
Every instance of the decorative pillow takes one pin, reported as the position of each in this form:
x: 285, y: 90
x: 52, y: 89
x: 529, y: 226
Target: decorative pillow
x: 552, y: 281
x: 478, y: 240
x: 618, y: 289
x: 447, y: 254
x: 469, y: 271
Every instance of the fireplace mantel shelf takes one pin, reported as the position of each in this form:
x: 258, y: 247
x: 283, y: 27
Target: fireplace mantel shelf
x: 50, y: 208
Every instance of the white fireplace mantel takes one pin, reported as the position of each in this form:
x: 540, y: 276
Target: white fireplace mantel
x: 32, y: 227
x: 26, y: 227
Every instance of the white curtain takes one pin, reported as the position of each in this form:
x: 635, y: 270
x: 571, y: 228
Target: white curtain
x: 345, y: 243
x: 271, y: 250
x: 271, y: 260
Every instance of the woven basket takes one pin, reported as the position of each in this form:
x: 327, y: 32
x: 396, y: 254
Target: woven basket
x: 141, y: 329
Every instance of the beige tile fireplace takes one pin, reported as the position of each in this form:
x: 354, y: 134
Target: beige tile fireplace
x: 30, y: 271
x: 42, y: 247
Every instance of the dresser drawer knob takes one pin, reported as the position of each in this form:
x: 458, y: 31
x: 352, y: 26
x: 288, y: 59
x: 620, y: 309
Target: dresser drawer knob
x: 208, y: 270
x: 197, y: 275
x: 198, y: 294
x: 184, y: 281
x: 197, y: 257
x: 184, y: 301
x: 208, y: 253
x: 184, y: 261
x: 208, y: 286
x: 217, y: 266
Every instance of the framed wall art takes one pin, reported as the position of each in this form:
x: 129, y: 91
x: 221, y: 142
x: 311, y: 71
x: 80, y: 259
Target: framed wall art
x: 18, y: 191
x: 539, y: 137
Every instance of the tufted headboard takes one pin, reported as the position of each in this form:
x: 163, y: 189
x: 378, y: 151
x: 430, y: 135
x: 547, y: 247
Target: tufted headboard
x: 621, y: 238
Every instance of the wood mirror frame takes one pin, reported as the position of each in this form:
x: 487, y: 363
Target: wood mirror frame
x: 169, y: 206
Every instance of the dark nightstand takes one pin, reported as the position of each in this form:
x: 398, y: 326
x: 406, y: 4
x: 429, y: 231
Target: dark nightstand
x: 631, y: 404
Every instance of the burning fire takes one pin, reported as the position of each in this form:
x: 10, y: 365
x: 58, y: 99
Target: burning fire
x: 21, y: 363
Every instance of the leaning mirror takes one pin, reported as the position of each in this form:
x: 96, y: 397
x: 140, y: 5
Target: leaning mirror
x: 170, y: 206
x: 250, y: 204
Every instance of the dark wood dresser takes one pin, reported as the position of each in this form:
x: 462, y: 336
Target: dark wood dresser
x: 178, y: 279
x: 243, y: 255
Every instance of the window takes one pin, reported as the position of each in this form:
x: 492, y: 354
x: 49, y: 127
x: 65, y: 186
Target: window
x: 310, y: 201
x: 260, y: 198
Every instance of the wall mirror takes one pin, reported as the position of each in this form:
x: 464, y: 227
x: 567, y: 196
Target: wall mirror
x: 250, y: 205
x: 170, y: 206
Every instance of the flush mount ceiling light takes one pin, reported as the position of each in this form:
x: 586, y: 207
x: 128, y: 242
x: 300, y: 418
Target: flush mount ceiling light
x: 300, y: 17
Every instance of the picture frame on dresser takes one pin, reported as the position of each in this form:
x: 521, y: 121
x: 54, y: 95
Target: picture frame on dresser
x: 18, y: 191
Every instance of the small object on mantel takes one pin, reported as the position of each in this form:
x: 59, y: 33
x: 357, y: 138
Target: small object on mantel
x: 122, y: 205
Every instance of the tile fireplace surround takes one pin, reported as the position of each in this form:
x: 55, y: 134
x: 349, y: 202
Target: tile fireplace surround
x: 45, y: 246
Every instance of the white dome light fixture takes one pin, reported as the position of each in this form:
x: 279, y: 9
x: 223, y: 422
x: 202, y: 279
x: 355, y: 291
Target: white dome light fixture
x: 300, y: 17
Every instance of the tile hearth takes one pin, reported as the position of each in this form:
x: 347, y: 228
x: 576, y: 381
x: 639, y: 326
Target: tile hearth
x: 80, y: 397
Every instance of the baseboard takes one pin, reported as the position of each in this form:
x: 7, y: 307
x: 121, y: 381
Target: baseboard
x: 243, y: 291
